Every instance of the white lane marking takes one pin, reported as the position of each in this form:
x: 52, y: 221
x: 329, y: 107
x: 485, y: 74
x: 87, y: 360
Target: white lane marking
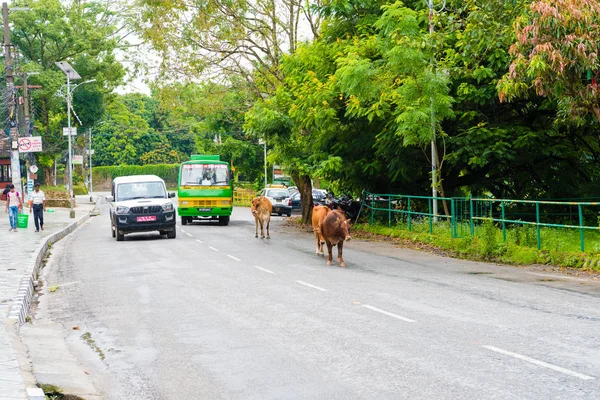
x: 379, y: 310
x: 189, y: 234
x: 199, y: 241
x: 233, y: 258
x: 262, y: 269
x: 312, y: 286
x: 212, y: 248
x: 181, y: 229
x: 540, y: 363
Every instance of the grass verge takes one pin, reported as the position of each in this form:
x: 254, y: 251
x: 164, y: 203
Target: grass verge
x: 520, y: 248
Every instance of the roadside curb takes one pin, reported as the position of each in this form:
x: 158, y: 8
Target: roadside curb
x: 20, y: 306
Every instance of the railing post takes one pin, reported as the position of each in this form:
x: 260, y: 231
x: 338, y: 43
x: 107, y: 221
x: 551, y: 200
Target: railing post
x: 537, y: 225
x: 503, y: 223
x: 372, y: 207
x: 452, y: 218
x: 581, y: 235
x: 430, y: 217
x: 471, y: 223
x: 409, y: 214
x: 389, y: 211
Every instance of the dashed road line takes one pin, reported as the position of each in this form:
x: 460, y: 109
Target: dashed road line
x: 540, y: 363
x: 265, y: 270
x: 389, y: 314
x: 233, y: 258
x: 312, y: 286
x: 199, y: 241
x: 212, y: 248
x: 189, y: 234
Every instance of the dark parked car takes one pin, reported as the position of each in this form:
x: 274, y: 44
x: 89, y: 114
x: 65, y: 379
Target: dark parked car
x: 296, y: 205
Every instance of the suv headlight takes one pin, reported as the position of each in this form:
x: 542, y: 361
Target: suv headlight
x: 168, y: 207
x: 122, y: 210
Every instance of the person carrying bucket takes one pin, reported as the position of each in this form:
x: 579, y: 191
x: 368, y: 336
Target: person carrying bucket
x: 13, y: 204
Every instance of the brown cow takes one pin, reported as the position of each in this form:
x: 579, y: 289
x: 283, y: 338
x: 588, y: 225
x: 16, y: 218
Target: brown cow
x: 261, y: 210
x: 335, y: 229
x: 319, y: 212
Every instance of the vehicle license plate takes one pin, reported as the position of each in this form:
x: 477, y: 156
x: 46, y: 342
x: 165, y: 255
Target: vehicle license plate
x: 278, y: 201
x: 205, y: 209
x: 146, y: 218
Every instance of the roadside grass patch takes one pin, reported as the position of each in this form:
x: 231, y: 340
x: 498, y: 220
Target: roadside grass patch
x: 560, y: 247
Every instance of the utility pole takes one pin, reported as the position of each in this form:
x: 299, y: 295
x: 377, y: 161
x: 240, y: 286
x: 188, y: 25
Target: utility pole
x: 264, y: 143
x: 90, y: 152
x: 434, y: 156
x: 15, y: 164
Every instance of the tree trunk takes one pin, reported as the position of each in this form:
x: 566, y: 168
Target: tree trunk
x: 48, y: 176
x: 305, y: 188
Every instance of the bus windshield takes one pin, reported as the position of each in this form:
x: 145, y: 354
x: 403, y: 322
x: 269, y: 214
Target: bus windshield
x: 204, y: 175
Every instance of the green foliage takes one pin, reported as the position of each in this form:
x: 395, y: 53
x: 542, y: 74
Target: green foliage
x: 556, y: 56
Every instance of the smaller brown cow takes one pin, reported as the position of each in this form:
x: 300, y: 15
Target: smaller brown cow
x: 335, y: 229
x: 319, y: 212
x: 261, y: 210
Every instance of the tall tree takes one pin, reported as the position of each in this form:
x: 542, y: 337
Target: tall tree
x: 218, y: 40
x: 556, y: 55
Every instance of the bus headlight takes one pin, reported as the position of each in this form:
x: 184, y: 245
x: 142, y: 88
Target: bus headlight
x: 226, y: 202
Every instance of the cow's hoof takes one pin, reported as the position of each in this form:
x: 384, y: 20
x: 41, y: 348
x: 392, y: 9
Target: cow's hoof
x: 342, y: 265
x: 262, y: 237
x: 256, y: 236
x: 269, y: 237
x: 329, y: 263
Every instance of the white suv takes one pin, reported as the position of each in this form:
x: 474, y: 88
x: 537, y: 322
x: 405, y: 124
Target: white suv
x: 140, y: 203
x: 280, y: 200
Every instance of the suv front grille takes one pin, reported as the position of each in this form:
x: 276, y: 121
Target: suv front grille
x: 146, y: 210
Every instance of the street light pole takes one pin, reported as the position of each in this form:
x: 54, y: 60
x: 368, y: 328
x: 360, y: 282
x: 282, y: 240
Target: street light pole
x: 72, y: 212
x: 90, y: 163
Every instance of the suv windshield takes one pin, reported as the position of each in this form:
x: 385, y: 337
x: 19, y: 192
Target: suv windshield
x: 140, y: 190
x: 204, y: 175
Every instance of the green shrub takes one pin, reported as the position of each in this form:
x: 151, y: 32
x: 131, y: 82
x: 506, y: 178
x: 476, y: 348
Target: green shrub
x: 79, y: 190
x: 168, y: 172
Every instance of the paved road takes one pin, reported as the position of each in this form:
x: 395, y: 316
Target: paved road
x: 218, y: 314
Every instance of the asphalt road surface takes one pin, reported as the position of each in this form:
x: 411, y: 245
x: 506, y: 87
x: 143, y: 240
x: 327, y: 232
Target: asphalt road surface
x: 218, y: 314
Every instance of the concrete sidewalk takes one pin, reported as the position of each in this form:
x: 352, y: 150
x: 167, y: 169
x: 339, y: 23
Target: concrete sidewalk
x: 20, y: 257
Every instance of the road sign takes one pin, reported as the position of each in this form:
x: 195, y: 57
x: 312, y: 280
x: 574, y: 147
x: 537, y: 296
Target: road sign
x: 78, y: 160
x: 73, y: 131
x: 33, y: 169
x: 30, y: 144
x: 90, y: 152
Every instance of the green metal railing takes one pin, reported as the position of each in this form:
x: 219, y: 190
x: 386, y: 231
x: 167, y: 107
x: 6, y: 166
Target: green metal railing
x: 411, y: 207
x: 466, y: 214
x: 497, y: 210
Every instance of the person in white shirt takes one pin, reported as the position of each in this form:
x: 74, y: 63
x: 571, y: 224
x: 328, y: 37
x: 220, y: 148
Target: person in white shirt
x: 38, y: 205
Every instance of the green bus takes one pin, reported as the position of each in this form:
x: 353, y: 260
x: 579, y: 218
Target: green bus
x: 205, y: 189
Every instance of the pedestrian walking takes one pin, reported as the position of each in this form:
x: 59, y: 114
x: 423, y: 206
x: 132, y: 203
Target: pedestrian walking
x: 14, y: 202
x: 38, y: 205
